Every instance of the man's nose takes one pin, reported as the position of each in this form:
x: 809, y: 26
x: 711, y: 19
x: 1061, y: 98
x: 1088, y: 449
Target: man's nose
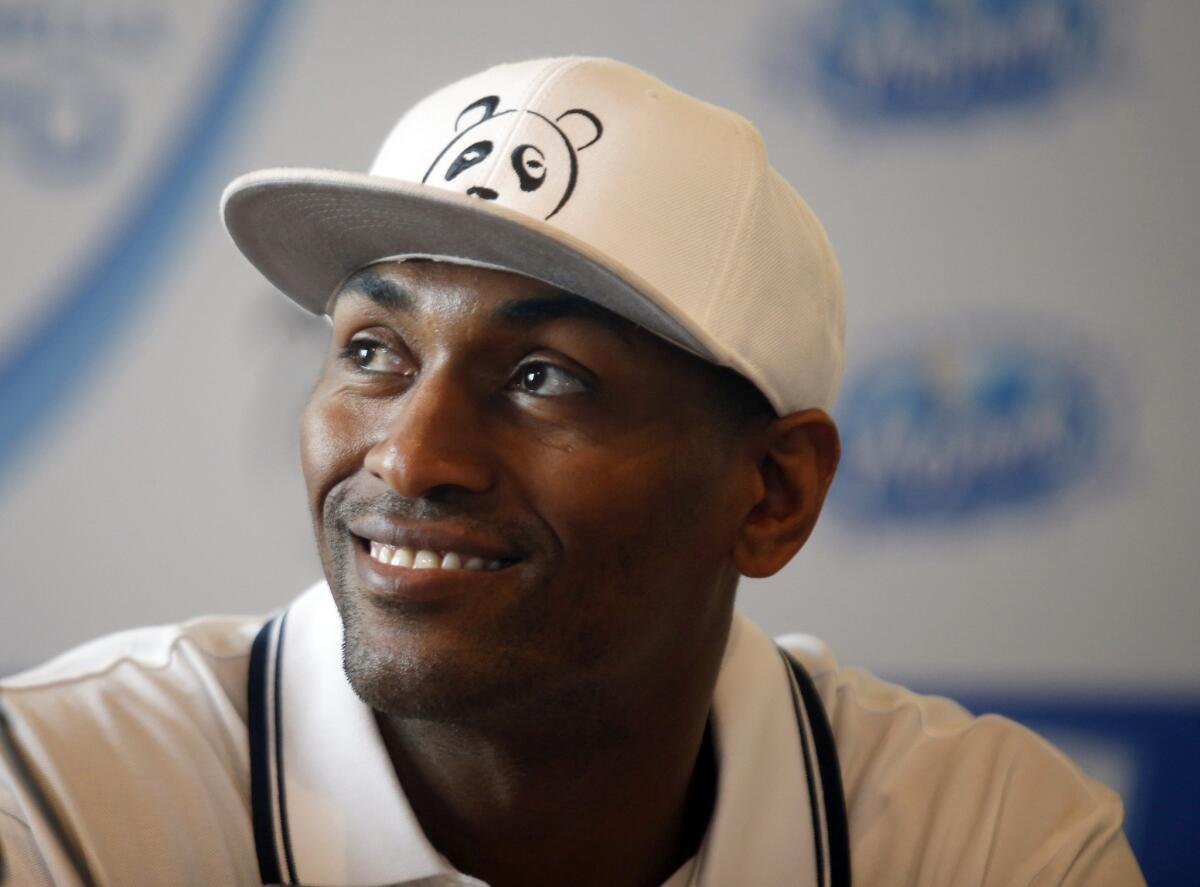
x: 434, y: 439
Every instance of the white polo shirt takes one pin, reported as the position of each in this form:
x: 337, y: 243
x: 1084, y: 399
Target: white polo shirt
x: 232, y: 751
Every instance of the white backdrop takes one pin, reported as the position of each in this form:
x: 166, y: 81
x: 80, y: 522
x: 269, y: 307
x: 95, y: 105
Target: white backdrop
x: 156, y: 476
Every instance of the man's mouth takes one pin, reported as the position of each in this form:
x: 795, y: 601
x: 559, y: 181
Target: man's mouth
x: 429, y: 559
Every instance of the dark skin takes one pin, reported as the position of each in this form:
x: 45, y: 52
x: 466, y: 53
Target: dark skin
x: 546, y: 714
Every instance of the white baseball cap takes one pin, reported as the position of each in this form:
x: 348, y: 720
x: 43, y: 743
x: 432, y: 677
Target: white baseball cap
x: 595, y: 177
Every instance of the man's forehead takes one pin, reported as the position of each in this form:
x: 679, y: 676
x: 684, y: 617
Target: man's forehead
x: 424, y: 286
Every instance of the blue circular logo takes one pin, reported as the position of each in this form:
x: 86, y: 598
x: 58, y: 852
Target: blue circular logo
x: 950, y: 429
x: 916, y: 59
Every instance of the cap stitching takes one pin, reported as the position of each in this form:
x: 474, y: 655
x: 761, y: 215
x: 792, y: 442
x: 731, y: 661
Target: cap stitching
x: 547, y: 77
x: 754, y: 171
x: 720, y: 279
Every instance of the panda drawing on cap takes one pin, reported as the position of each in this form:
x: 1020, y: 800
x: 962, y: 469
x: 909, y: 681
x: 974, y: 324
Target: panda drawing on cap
x: 530, y: 166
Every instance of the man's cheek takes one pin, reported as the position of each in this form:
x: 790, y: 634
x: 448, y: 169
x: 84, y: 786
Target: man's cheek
x: 332, y: 444
x: 622, y: 505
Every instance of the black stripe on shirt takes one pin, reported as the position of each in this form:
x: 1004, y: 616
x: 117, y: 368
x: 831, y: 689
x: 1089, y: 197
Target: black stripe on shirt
x: 260, y: 760
x: 814, y: 813
x: 279, y: 781
x: 837, y: 830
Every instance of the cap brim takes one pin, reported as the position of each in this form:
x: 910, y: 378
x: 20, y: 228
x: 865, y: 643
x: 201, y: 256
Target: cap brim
x: 307, y: 230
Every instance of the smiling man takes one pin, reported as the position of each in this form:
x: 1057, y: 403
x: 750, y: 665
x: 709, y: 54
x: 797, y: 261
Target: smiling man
x: 527, y: 505
x: 583, y: 344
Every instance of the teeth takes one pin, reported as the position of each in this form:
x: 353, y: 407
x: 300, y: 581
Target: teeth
x: 426, y: 560
x: 399, y: 556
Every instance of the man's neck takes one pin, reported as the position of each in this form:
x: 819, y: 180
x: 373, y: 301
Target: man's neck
x: 604, y: 813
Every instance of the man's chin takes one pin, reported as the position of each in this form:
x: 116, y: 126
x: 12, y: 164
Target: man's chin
x: 457, y: 664
x: 409, y: 672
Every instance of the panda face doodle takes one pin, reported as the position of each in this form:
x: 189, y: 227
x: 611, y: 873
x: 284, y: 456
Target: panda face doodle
x: 530, y: 162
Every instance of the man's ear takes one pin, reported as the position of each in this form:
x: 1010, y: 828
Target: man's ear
x: 799, y: 459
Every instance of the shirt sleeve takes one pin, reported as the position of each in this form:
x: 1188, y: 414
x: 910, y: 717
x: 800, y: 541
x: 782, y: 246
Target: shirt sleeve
x: 1094, y: 853
x: 1047, y: 823
x: 942, y: 798
x: 21, y: 865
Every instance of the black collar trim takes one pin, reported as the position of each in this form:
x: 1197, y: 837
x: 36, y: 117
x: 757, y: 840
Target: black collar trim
x: 272, y: 840
x: 268, y: 801
x: 831, y: 833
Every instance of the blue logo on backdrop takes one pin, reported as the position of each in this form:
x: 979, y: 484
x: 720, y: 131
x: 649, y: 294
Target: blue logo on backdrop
x: 991, y: 418
x: 58, y: 105
x: 912, y: 59
x: 85, y: 315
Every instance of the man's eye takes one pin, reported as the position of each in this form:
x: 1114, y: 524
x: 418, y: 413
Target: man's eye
x: 372, y: 356
x: 547, y: 380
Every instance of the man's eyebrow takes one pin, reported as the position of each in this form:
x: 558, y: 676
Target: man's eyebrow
x: 543, y: 309
x: 390, y: 293
x: 383, y: 291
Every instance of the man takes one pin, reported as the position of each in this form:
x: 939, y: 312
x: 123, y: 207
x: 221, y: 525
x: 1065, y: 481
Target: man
x: 584, y: 339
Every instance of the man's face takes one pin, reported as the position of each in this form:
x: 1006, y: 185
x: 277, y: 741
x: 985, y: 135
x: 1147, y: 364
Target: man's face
x: 561, y: 468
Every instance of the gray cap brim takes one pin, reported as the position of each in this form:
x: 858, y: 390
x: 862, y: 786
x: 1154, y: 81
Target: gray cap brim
x: 307, y: 230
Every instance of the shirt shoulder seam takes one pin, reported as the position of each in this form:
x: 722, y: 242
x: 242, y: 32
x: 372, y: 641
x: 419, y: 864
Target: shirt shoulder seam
x: 113, y: 664
x: 18, y: 820
x: 911, y: 700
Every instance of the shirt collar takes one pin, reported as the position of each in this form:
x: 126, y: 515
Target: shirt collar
x: 761, y: 829
x: 349, y: 822
x: 339, y: 818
